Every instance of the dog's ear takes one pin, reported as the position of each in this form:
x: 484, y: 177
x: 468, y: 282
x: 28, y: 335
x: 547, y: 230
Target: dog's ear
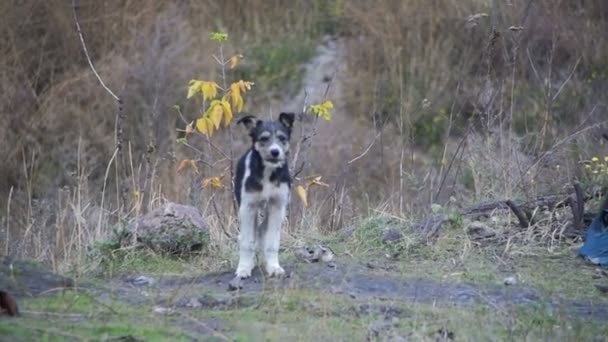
x: 248, y: 120
x: 287, y: 119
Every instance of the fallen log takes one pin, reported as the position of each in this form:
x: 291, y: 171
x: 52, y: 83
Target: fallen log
x: 431, y: 225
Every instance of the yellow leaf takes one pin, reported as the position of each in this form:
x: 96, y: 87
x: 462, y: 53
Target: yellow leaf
x: 215, y: 112
x: 236, y: 91
x: 209, y: 125
x: 234, y: 60
x: 187, y: 163
x: 194, y: 87
x: 209, y: 89
x: 301, y: 192
x: 317, y: 181
x: 235, y: 95
x: 215, y: 182
x: 193, y: 166
x: 227, y: 113
x: 201, y: 124
x: 245, y: 85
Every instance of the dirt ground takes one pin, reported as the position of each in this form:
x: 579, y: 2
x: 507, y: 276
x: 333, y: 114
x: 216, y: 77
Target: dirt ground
x: 340, y: 300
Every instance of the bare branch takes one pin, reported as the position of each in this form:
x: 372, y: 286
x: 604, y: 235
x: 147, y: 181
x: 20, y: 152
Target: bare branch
x: 366, y: 150
x: 567, y: 79
x: 86, y: 52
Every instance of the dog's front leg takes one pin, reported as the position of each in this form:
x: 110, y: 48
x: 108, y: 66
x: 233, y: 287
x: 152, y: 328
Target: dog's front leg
x: 272, y: 238
x: 247, y: 216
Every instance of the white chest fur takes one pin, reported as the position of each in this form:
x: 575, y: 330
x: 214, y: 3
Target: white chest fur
x: 272, y: 192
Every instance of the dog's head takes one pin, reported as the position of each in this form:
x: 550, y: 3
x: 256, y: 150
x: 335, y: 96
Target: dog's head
x: 270, y: 138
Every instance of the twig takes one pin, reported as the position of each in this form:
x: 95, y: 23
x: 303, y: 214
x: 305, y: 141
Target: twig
x: 307, y: 137
x: 217, y: 213
x: 458, y: 149
x: 567, y: 79
x: 86, y: 52
x: 523, y: 220
x: 103, y: 192
x: 8, y: 218
x: 120, y: 114
x: 366, y: 150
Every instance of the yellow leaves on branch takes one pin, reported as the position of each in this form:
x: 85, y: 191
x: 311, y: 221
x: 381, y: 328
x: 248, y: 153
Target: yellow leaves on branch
x: 187, y: 163
x: 218, y: 109
x: 302, y: 190
x: 214, y: 182
x: 207, y: 88
x: 205, y: 125
x: 234, y: 60
x: 322, y: 110
x: 236, y: 92
x: 211, y: 120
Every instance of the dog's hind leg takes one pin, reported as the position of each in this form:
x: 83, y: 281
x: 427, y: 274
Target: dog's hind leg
x: 272, y: 237
x: 247, y: 244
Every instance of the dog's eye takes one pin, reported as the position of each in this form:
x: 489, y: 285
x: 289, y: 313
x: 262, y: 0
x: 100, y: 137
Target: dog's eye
x: 282, y: 138
x: 264, y: 139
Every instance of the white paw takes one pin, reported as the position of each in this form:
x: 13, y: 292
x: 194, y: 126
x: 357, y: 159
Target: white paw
x: 274, y: 270
x: 244, y: 269
x: 243, y: 272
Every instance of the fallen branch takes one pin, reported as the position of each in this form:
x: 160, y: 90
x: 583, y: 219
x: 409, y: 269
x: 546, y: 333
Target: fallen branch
x: 430, y: 225
x: 521, y: 216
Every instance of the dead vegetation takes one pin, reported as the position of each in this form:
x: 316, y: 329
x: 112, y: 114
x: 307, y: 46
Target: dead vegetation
x: 445, y: 102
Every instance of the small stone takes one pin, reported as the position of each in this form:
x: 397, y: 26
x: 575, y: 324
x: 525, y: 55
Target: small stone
x: 510, y: 281
x: 326, y: 255
x: 194, y: 303
x: 332, y: 265
x: 163, y: 311
x: 142, y: 280
x: 479, y: 230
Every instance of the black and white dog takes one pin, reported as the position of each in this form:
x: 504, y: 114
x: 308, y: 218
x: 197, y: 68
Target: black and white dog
x: 262, y: 186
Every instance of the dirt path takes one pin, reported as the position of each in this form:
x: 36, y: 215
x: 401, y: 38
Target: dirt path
x: 357, y: 283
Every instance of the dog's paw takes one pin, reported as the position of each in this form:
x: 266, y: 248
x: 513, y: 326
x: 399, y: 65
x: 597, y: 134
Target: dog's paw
x: 275, y: 270
x: 243, y: 272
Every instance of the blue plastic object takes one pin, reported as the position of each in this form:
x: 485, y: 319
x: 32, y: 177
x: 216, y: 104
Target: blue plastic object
x: 595, y: 248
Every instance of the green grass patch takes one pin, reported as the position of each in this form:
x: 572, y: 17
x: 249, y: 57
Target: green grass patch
x: 278, y: 64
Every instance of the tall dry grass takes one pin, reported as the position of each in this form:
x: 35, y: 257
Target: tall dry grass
x: 450, y: 104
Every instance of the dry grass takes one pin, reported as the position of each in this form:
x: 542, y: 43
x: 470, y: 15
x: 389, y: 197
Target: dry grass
x: 417, y: 79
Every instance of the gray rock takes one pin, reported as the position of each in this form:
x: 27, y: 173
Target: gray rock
x: 142, y: 280
x: 479, y: 230
x: 314, y: 254
x: 392, y: 235
x: 172, y: 229
x: 510, y: 281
